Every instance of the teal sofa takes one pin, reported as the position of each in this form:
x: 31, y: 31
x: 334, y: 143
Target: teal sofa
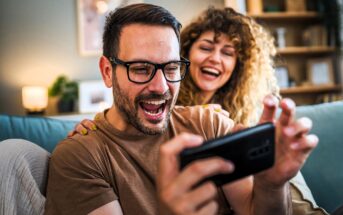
x: 45, y: 132
x: 323, y: 170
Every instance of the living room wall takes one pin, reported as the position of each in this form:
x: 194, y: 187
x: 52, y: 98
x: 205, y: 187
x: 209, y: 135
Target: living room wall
x: 39, y: 41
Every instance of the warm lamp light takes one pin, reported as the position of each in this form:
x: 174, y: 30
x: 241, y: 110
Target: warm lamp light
x: 101, y: 6
x: 35, y: 99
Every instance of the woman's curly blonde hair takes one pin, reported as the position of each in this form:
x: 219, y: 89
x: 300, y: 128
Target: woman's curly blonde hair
x: 253, y: 77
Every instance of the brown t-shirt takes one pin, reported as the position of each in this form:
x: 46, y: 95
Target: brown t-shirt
x: 87, y: 172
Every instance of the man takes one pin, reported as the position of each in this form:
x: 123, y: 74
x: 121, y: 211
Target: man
x: 130, y: 163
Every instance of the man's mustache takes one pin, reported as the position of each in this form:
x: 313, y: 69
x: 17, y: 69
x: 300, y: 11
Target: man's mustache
x: 166, y: 96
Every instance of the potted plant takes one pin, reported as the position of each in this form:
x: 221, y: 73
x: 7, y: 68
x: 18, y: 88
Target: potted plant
x: 67, y: 93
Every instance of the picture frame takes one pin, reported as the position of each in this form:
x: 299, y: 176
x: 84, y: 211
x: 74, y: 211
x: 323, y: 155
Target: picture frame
x: 94, y: 96
x: 282, y: 76
x: 237, y: 5
x: 91, y: 17
x: 315, y: 35
x: 295, y: 5
x: 320, y: 71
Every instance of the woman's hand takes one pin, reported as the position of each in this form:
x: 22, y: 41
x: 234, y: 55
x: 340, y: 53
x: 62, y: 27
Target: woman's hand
x: 83, y: 127
x: 217, y: 108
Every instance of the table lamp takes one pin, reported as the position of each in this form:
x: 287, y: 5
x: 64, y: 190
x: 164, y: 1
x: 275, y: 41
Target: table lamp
x: 35, y: 99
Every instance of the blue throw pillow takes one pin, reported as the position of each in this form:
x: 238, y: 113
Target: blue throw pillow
x: 43, y: 131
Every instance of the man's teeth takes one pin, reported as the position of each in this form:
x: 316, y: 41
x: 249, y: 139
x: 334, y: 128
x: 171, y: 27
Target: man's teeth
x: 159, y: 103
x: 154, y: 113
x: 155, y: 102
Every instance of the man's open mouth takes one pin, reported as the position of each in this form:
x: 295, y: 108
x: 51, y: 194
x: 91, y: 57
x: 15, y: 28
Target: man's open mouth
x: 153, y: 108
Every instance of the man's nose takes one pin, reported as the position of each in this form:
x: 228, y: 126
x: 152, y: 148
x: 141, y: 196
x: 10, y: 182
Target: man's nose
x: 158, y: 83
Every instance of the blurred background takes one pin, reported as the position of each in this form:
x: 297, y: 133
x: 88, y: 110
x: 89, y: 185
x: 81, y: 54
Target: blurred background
x: 40, y: 40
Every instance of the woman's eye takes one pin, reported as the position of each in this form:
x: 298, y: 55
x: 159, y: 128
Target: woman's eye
x: 228, y: 53
x: 205, y: 48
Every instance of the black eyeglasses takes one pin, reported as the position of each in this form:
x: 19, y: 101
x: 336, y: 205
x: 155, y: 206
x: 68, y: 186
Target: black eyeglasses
x: 141, y: 72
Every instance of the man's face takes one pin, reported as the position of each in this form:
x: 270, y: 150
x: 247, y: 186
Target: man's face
x: 146, y: 106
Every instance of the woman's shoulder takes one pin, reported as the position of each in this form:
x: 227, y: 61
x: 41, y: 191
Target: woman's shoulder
x: 206, y: 110
x: 209, y: 119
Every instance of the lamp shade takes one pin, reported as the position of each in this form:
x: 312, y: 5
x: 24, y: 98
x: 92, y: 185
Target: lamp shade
x: 35, y: 98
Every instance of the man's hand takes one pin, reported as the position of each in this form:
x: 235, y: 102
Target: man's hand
x: 270, y: 191
x: 178, y: 191
x: 293, y: 145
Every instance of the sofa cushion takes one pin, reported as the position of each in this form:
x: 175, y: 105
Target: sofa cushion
x: 323, y: 170
x: 45, y: 132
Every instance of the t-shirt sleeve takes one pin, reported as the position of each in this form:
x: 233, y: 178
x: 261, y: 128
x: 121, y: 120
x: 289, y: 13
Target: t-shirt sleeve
x: 77, y: 182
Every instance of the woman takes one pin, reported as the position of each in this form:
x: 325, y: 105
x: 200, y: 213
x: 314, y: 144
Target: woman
x: 231, y: 65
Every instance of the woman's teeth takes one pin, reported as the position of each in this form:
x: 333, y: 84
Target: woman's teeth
x: 211, y: 71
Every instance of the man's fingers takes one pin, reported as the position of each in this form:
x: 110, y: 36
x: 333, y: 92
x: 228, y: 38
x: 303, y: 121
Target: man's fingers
x: 210, y: 208
x: 270, y: 104
x: 174, y: 185
x: 306, y: 144
x: 190, y: 202
x: 197, y: 171
x: 299, y: 128
x: 203, y: 193
x: 168, y: 157
x: 288, y: 111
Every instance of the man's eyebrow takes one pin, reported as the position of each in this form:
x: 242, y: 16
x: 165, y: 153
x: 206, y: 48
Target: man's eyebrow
x: 149, y: 61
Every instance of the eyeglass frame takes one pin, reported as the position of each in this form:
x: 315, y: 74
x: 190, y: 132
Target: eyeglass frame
x: 157, y: 66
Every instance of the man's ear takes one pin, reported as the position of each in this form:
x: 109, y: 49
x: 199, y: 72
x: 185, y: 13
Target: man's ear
x: 106, y: 71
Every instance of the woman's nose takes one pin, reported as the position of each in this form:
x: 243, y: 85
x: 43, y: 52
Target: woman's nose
x: 215, y: 57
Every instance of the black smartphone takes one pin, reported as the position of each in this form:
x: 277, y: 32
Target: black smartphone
x: 251, y: 150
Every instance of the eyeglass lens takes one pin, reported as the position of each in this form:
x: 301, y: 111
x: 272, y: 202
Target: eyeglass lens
x: 142, y: 72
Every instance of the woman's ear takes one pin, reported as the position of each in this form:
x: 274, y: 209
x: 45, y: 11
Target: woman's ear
x: 106, y: 71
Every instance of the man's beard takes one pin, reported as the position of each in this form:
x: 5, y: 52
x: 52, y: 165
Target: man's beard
x: 130, y: 110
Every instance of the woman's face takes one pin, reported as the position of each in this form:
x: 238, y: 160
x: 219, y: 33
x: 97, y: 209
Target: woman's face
x: 212, y: 63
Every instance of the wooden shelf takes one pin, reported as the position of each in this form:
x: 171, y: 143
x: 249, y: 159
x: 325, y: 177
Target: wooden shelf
x: 311, y: 89
x: 286, y: 15
x: 295, y: 55
x: 306, y: 50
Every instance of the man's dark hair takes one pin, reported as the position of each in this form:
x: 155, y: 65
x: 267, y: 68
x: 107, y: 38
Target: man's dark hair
x: 135, y: 13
